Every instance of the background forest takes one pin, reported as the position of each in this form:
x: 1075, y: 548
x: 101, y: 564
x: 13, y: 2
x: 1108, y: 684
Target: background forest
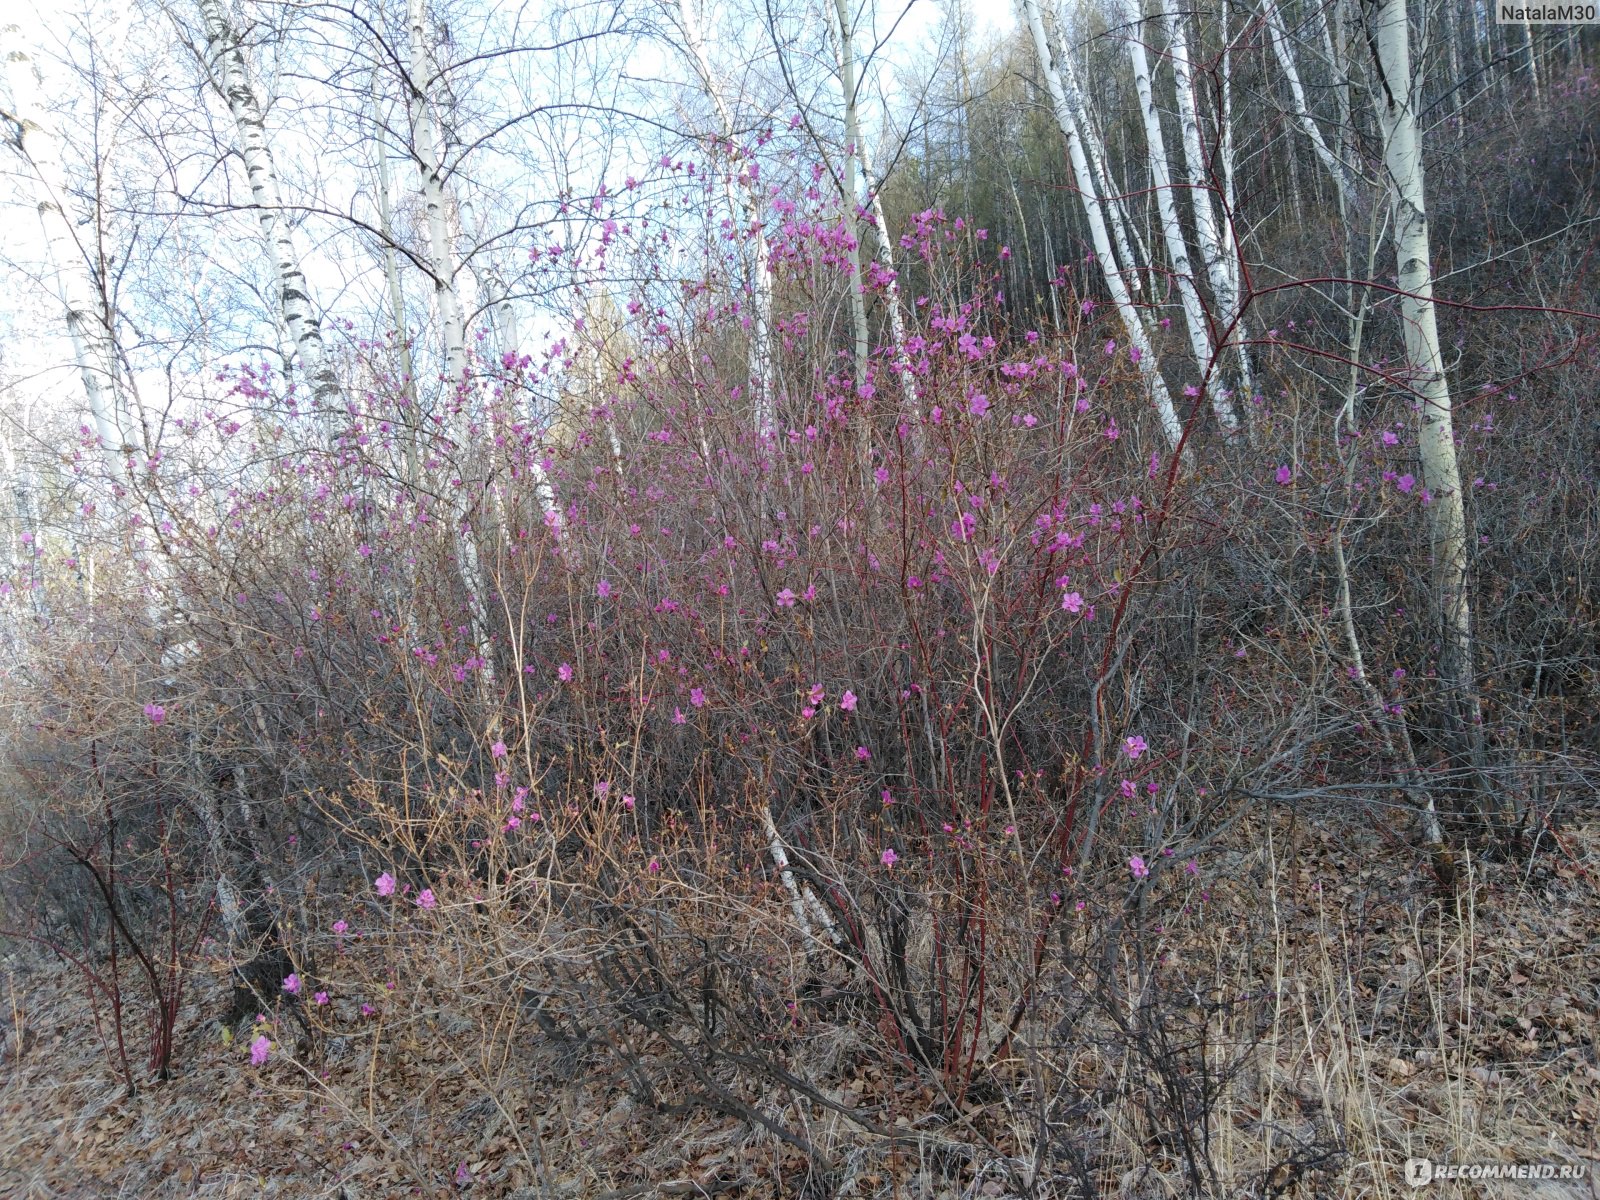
x: 798, y: 598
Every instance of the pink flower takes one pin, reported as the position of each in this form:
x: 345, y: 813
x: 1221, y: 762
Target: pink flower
x: 628, y: 803
x: 1191, y: 867
x: 1284, y: 475
x: 863, y: 754
x: 603, y: 588
x: 564, y: 672
x: 697, y: 697
x: 321, y: 997
x: 786, y: 598
x: 888, y: 858
x: 385, y: 884
x: 1406, y: 482
x: 1135, y: 746
x: 677, y: 716
x: 978, y: 405
x: 1136, y: 865
x: 367, y: 1010
x: 259, y: 1049
x: 463, y: 1175
x: 339, y: 927
x: 847, y: 702
x: 1389, y: 439
x: 425, y: 898
x: 498, y: 750
x: 1072, y: 602
x: 155, y: 713
x: 292, y: 984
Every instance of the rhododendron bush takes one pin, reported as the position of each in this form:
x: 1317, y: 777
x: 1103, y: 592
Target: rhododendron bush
x: 899, y: 733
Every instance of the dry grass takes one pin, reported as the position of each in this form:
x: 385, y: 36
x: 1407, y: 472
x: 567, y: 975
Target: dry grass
x: 1378, y: 1021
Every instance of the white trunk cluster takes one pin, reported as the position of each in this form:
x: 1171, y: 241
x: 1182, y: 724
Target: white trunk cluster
x: 1218, y: 251
x: 763, y: 383
x: 873, y: 207
x: 1201, y: 342
x: 1279, y: 37
x: 82, y: 301
x: 1066, y: 114
x: 231, y: 73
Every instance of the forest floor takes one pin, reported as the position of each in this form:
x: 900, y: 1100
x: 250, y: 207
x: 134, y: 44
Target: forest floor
x: 1404, y: 1024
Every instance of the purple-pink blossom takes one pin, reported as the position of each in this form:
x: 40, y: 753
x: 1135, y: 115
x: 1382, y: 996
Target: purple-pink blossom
x: 385, y: 884
x: 155, y: 712
x: 1135, y: 746
x: 848, y: 701
x: 1137, y: 866
x: 259, y: 1050
x: 888, y: 858
x: 291, y: 984
x: 425, y: 898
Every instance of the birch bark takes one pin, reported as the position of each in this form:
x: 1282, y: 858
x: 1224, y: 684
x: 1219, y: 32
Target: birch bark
x: 751, y: 233
x: 1066, y: 119
x: 81, y: 299
x: 231, y: 74
x: 1194, y: 314
x: 1395, y: 93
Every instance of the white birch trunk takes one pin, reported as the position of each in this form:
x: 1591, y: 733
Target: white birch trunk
x: 81, y: 300
x: 852, y: 136
x: 397, y: 303
x: 909, y: 406
x: 231, y: 74
x: 1067, y: 120
x: 1213, y: 235
x: 1194, y: 314
x: 1395, y: 95
x: 425, y: 144
x: 1279, y: 37
x: 759, y: 352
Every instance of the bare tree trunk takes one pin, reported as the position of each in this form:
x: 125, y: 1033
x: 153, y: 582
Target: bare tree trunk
x: 1395, y: 94
x: 1214, y: 237
x: 88, y: 320
x: 1279, y: 37
x: 880, y: 224
x: 231, y: 74
x: 1194, y: 314
x: 1066, y: 119
x: 759, y: 352
x: 849, y: 187
x: 425, y: 146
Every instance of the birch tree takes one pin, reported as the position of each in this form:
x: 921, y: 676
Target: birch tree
x: 1278, y: 35
x: 873, y: 208
x: 1218, y: 250
x: 233, y: 76
x: 83, y: 301
x: 743, y: 202
x: 1395, y: 94
x: 1194, y: 313
x: 1094, y: 211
